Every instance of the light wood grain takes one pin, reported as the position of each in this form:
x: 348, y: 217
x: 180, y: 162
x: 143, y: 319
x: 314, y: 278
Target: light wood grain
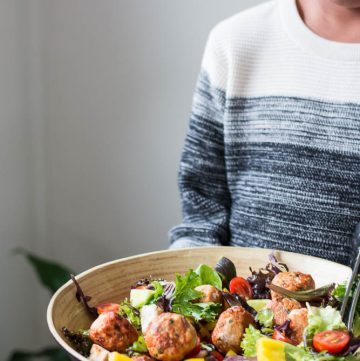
x: 111, y: 282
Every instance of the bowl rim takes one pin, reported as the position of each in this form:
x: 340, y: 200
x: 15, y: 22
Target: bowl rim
x: 50, y: 307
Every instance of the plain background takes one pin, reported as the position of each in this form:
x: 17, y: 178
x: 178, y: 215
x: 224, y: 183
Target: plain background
x: 95, y: 97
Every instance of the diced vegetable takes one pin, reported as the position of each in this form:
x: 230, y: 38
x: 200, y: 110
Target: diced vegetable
x: 116, y: 356
x: 258, y: 305
x: 98, y: 353
x: 270, y: 350
x: 331, y: 341
x: 231, y: 353
x: 147, y: 314
x: 140, y: 297
x: 242, y: 287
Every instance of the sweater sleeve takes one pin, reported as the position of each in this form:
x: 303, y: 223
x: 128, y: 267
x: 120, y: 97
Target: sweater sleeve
x: 202, y: 175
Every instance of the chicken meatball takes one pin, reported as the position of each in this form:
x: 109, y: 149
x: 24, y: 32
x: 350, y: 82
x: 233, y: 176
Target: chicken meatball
x: 210, y: 294
x: 113, y: 332
x: 230, y: 328
x: 170, y: 337
x: 298, y: 323
x: 292, y: 281
x: 282, y: 309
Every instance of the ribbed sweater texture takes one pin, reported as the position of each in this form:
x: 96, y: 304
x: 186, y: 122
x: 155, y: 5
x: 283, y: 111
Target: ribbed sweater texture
x: 272, y: 154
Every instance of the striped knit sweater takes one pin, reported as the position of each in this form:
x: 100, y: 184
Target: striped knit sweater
x: 272, y: 154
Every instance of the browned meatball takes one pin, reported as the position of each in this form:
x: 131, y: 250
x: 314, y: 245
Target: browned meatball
x: 282, y: 309
x: 142, y: 358
x: 210, y: 294
x: 230, y: 328
x: 170, y: 337
x: 298, y: 323
x: 113, y: 332
x: 292, y: 281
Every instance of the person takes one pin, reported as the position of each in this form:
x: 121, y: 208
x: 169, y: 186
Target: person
x: 272, y: 155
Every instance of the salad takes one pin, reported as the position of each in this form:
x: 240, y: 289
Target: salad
x: 213, y: 314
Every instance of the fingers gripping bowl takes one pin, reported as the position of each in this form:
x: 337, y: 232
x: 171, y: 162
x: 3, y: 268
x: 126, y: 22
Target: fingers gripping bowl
x: 111, y: 282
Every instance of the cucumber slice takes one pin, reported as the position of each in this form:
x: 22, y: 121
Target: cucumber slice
x: 258, y: 305
x: 140, y: 297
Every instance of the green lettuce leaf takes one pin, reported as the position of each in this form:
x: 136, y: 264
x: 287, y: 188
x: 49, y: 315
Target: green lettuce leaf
x: 322, y: 319
x: 159, y: 290
x: 209, y: 276
x: 198, y: 311
x: 185, y: 294
x: 248, y: 343
x: 131, y: 313
x: 293, y: 353
x: 265, y: 317
x: 139, y: 345
x: 339, y: 293
x: 184, y: 287
x: 356, y: 325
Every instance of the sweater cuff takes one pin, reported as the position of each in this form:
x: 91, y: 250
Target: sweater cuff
x: 189, y: 243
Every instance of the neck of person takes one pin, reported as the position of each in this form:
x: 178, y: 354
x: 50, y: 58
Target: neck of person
x: 331, y: 21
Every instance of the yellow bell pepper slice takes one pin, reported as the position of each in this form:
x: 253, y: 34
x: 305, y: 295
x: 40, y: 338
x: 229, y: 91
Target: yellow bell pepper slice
x: 231, y: 353
x: 268, y: 349
x: 116, y: 356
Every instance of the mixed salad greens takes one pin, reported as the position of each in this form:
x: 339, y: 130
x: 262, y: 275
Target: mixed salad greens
x: 211, y: 314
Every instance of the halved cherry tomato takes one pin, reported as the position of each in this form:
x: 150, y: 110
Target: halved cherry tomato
x: 331, y: 341
x: 107, y: 307
x: 195, y: 350
x: 278, y: 335
x: 242, y: 287
x: 217, y: 355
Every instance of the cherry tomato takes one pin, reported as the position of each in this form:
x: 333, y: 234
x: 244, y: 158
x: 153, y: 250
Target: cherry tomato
x: 107, y: 307
x: 242, y: 287
x: 195, y: 350
x: 217, y: 355
x: 277, y: 335
x: 331, y: 341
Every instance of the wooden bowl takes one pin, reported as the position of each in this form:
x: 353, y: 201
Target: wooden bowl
x: 111, y: 281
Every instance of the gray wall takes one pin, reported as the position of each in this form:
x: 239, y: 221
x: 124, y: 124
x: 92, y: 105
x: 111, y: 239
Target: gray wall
x: 95, y: 100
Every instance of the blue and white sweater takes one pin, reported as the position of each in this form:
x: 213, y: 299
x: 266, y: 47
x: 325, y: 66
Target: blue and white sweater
x: 272, y: 154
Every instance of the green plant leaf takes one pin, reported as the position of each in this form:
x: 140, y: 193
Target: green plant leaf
x: 48, y: 354
x: 51, y: 274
